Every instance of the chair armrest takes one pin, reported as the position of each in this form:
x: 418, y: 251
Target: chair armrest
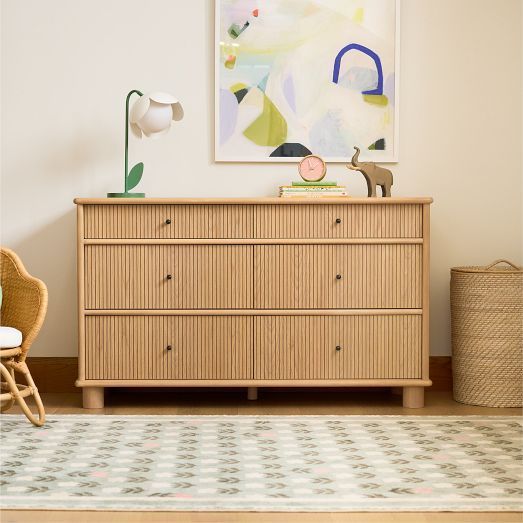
x: 24, y: 302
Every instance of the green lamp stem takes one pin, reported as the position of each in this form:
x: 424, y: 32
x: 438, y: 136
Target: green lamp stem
x: 128, y: 194
x: 139, y: 93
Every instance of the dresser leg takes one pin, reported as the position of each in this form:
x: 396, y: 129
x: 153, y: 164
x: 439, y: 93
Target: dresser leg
x: 413, y: 397
x: 93, y: 397
x: 252, y: 393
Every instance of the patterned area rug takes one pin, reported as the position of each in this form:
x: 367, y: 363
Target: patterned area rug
x: 263, y: 463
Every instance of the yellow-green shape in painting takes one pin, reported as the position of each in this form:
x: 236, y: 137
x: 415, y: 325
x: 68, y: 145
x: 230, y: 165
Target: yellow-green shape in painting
x: 237, y: 87
x: 230, y: 62
x: 376, y: 99
x: 359, y: 15
x: 270, y: 128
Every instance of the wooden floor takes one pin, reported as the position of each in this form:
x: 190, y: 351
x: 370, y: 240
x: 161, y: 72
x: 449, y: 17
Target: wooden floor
x: 283, y: 402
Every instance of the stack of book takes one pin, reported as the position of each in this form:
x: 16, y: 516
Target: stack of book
x: 313, y: 190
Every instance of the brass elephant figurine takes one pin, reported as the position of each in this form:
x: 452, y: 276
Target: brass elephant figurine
x: 374, y: 175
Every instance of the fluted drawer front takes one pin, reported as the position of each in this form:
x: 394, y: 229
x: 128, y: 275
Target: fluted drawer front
x: 337, y: 347
x: 337, y: 276
x: 168, y: 221
x: 338, y: 221
x: 168, y: 347
x: 168, y: 276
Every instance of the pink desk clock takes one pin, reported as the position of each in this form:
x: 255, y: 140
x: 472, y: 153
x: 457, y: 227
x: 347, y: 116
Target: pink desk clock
x: 312, y: 168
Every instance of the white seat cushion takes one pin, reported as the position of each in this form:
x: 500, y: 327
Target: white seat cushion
x: 10, y: 337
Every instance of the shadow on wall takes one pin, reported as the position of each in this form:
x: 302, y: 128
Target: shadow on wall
x: 440, y: 343
x: 49, y: 253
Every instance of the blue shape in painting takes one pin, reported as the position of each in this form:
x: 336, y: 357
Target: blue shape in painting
x: 262, y: 85
x: 228, y: 114
x: 288, y: 92
x: 368, y: 52
x: 359, y: 79
x: 328, y: 138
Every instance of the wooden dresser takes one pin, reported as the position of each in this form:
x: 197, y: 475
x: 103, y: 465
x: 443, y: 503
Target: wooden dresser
x: 253, y: 293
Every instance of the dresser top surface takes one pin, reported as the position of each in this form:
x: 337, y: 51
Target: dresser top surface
x: 252, y: 201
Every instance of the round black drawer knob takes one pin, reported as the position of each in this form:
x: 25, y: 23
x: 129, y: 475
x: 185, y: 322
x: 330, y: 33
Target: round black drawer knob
x: 338, y: 276
x: 338, y: 220
x: 169, y: 347
x: 168, y: 221
x: 169, y: 276
x: 338, y: 348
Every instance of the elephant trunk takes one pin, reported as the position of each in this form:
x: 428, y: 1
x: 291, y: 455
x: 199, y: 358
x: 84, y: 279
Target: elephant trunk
x: 354, y: 160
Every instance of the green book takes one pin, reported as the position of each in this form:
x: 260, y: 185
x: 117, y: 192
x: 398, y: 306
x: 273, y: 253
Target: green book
x: 297, y: 184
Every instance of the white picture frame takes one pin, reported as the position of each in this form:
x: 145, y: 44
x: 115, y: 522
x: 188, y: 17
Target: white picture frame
x: 240, y: 149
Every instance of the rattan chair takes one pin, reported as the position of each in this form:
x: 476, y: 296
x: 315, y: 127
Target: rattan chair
x: 24, y: 306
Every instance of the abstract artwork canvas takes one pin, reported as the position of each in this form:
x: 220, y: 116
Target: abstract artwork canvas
x: 299, y: 77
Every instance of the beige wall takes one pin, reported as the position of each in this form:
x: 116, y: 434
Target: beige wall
x: 67, y: 65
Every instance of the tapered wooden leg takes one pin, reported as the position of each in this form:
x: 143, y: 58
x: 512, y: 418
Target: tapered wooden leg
x: 252, y: 393
x: 93, y: 397
x: 413, y: 397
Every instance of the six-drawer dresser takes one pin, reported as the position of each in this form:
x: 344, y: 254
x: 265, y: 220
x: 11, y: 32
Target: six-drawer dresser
x: 253, y: 293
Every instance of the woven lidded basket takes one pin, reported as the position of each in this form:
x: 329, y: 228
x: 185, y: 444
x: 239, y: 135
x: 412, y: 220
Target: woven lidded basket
x: 487, y: 334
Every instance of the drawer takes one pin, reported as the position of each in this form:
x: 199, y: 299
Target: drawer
x: 338, y: 276
x: 168, y: 221
x: 338, y: 221
x: 369, y: 347
x: 168, y: 276
x: 136, y: 347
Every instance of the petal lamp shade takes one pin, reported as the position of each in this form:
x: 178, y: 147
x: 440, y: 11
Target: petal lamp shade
x: 152, y: 113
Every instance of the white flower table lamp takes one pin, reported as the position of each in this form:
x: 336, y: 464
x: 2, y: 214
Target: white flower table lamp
x: 150, y: 115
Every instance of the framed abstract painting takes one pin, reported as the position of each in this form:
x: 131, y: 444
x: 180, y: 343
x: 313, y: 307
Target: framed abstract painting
x: 299, y: 77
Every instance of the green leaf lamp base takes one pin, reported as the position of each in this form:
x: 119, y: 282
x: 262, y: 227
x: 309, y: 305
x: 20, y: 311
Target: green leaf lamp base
x: 125, y: 195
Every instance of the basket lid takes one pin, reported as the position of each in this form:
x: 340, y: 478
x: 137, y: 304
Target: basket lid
x: 492, y: 268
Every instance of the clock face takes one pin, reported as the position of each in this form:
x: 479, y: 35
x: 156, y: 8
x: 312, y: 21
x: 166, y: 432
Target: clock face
x: 312, y: 168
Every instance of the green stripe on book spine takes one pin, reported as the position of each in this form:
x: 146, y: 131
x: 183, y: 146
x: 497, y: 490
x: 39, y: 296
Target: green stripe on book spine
x: 312, y: 184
